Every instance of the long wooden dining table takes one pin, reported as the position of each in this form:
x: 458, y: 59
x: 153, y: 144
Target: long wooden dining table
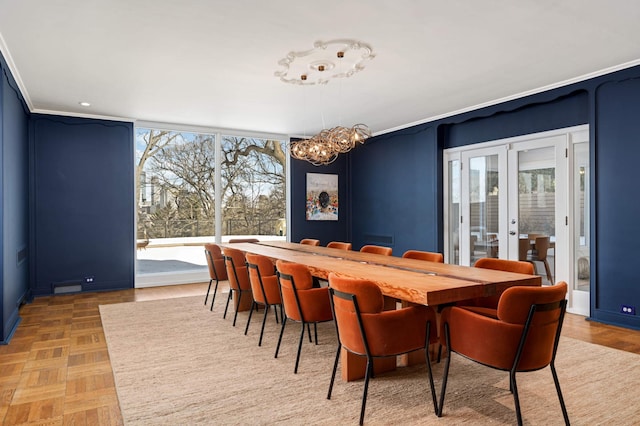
x: 407, y: 280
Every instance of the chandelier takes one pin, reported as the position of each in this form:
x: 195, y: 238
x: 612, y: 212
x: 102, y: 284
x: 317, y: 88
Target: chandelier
x: 318, y: 66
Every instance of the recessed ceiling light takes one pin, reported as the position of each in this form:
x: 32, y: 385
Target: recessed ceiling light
x: 84, y: 104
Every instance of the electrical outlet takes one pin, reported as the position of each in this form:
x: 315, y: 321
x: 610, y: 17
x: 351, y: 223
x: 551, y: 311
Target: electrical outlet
x: 629, y: 310
x: 89, y: 279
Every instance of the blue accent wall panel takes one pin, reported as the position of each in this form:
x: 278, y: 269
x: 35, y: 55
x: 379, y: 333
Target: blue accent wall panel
x: 83, y: 203
x: 500, y: 122
x: 14, y: 203
x: 395, y: 196
x: 325, y: 231
x: 617, y: 151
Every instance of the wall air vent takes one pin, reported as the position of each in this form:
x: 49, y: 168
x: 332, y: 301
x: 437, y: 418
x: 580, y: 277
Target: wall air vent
x: 64, y: 287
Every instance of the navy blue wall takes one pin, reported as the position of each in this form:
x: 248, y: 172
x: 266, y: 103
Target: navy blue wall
x: 616, y: 148
x: 395, y: 180
x: 82, y: 203
x: 395, y: 187
x: 14, y: 229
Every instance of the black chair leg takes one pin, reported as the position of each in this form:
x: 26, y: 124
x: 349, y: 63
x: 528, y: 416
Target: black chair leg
x: 309, y: 331
x: 213, y: 299
x: 315, y: 331
x: 335, y: 368
x: 253, y: 306
x: 284, y: 322
x: 516, y: 400
x: 227, y: 306
x: 208, y: 290
x: 555, y: 380
x: 264, y: 321
x: 295, y: 370
x: 235, y: 316
x: 366, y: 389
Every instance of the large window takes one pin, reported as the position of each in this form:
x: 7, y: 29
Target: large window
x: 191, y: 184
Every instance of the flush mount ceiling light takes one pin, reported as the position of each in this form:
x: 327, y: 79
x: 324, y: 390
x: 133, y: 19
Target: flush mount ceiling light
x: 327, y: 60
x: 320, y: 64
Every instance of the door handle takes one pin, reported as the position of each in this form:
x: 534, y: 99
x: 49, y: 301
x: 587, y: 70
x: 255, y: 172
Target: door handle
x: 512, y: 232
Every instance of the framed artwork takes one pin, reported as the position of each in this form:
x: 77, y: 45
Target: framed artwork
x: 322, y: 196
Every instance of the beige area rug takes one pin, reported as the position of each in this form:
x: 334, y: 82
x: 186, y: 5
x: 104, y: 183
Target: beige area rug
x: 177, y: 363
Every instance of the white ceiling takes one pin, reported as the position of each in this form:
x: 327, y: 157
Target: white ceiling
x: 212, y: 63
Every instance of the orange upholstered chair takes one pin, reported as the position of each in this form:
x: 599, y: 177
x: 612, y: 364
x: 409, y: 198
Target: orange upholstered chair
x: 386, y: 251
x: 339, y: 245
x: 365, y: 329
x: 264, y: 287
x: 498, y: 265
x: 302, y: 302
x: 244, y: 240
x: 217, y: 270
x: 310, y: 242
x: 523, y: 337
x: 238, y: 278
x: 424, y: 255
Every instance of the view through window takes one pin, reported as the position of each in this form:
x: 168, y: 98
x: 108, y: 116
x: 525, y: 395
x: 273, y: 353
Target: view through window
x: 177, y: 196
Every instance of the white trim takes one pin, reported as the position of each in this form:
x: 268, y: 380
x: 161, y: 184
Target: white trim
x: 4, y: 49
x: 81, y: 115
x: 209, y: 130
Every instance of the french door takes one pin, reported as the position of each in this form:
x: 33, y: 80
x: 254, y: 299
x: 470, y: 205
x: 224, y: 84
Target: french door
x: 523, y: 198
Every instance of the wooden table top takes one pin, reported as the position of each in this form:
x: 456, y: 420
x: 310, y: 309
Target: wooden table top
x: 417, y: 281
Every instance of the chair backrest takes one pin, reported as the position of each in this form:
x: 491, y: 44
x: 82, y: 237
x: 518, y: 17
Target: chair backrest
x: 263, y: 279
x: 386, y: 251
x: 300, y: 300
x: 524, y: 245
x: 244, y: 240
x: 236, y: 269
x: 310, y: 242
x: 505, y: 265
x: 352, y: 298
x: 215, y: 262
x: 542, y: 246
x: 424, y: 255
x: 540, y: 311
x: 339, y: 245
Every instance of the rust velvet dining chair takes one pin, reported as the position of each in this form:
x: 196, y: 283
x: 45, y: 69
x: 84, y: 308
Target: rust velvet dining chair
x: 217, y: 269
x: 522, y: 337
x: 310, y: 242
x: 424, y: 255
x: 386, y: 251
x: 264, y: 288
x: 505, y: 265
x: 365, y: 329
x: 302, y: 302
x: 339, y: 245
x: 239, y: 284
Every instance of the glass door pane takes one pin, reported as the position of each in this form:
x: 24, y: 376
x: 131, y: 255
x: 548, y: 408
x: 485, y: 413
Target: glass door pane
x: 483, y: 204
x: 537, y: 209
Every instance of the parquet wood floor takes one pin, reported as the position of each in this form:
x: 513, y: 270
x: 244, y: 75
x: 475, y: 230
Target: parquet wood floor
x: 56, y: 369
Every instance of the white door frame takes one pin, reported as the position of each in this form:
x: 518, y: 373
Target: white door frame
x: 563, y: 140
